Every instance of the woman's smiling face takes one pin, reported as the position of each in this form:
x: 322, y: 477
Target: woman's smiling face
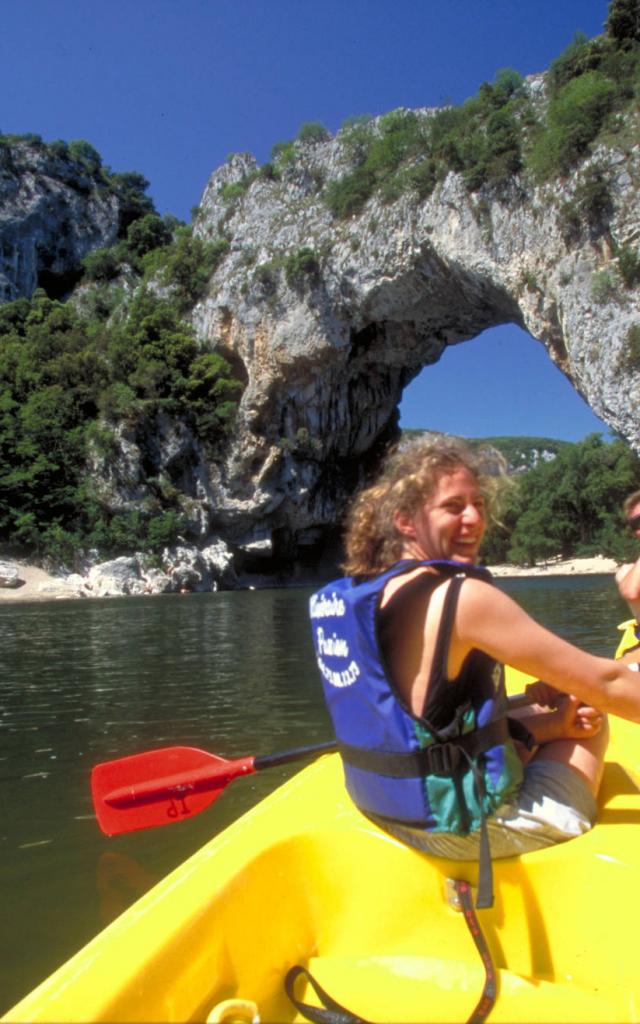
x: 450, y: 523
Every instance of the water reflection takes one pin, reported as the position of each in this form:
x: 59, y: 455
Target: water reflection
x: 85, y: 682
x: 120, y: 881
x: 583, y: 609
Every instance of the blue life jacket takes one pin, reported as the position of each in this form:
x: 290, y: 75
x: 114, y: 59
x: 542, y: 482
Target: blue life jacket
x: 399, y: 766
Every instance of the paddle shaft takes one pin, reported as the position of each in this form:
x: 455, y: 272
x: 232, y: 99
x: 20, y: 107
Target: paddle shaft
x: 273, y: 760
x: 519, y: 700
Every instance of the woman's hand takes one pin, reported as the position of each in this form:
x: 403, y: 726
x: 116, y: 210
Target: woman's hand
x: 576, y: 720
x: 543, y: 694
x: 570, y: 720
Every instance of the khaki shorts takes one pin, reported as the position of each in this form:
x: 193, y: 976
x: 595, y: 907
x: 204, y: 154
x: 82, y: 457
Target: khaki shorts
x: 554, y: 804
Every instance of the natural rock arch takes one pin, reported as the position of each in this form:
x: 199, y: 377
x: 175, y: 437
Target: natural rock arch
x: 328, y: 350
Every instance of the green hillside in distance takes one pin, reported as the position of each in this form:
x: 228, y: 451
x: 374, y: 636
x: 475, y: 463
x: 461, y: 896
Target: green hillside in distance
x: 521, y: 453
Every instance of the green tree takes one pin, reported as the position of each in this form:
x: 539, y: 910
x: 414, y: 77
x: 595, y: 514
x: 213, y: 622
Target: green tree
x: 146, y: 234
x: 313, y: 131
x: 574, y: 118
x: 580, y: 56
x: 130, y: 187
x: 212, y: 394
x: 299, y: 264
x: 60, y: 378
x: 102, y: 264
x: 187, y: 264
x: 532, y: 541
x: 569, y: 506
x: 623, y: 22
x: 85, y: 153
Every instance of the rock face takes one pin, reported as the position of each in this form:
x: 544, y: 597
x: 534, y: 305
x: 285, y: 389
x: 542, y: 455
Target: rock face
x: 184, y: 569
x: 328, y: 349
x: 9, y: 575
x: 52, y: 213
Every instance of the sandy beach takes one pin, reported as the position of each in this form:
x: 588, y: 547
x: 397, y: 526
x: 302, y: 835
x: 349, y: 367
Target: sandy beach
x: 556, y: 567
x: 35, y: 584
x: 38, y: 585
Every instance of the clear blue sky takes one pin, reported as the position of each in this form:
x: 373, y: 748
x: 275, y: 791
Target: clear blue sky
x: 500, y: 383
x: 171, y: 87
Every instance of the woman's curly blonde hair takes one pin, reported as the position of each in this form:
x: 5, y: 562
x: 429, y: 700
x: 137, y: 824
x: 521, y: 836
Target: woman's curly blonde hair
x: 408, y: 475
x: 630, y: 503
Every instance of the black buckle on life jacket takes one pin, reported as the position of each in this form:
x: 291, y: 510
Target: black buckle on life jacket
x: 442, y: 758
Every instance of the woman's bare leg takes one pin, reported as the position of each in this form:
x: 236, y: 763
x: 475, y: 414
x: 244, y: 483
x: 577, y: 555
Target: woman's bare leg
x: 570, y: 734
x: 586, y: 757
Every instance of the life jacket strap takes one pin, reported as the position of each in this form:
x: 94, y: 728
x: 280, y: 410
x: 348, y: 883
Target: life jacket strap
x: 518, y: 731
x: 436, y: 759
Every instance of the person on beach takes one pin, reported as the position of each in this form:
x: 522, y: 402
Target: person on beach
x: 411, y: 645
x: 628, y: 575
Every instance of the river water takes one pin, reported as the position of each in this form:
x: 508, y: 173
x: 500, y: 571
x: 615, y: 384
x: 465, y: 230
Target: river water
x: 85, y: 682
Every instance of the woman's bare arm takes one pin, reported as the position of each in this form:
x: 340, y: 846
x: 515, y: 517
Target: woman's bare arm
x: 486, y: 618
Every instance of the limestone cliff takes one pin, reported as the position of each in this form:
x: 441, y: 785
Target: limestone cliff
x: 54, y: 209
x: 333, y: 317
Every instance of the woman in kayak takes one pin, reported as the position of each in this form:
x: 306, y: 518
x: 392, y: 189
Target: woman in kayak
x: 412, y: 656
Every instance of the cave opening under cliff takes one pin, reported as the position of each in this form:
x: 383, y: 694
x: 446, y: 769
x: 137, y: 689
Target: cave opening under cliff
x: 58, y: 286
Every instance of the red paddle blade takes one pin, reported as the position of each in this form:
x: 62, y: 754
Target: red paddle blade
x: 160, y: 787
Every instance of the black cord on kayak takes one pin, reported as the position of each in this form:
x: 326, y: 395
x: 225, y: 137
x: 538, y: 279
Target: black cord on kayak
x: 489, y: 992
x: 330, y: 1012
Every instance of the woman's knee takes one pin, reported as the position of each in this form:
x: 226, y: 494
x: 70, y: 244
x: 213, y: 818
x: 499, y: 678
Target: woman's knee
x: 586, y: 757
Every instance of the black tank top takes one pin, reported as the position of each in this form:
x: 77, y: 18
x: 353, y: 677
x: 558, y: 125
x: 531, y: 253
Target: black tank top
x: 444, y: 696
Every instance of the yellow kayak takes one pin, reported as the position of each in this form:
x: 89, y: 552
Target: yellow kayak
x: 305, y: 879
x: 628, y: 640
